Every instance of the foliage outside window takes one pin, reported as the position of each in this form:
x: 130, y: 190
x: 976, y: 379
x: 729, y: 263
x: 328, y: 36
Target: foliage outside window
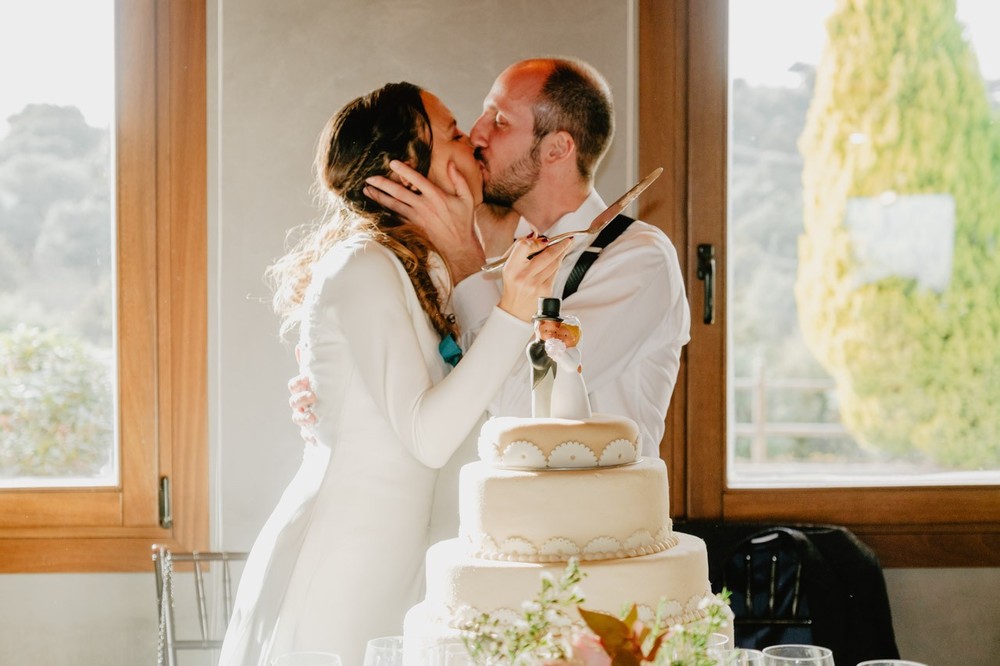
x: 900, y: 109
x: 740, y: 144
x: 57, y: 410
x: 81, y: 369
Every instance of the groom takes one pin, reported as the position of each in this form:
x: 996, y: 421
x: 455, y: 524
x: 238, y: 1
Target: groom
x: 546, y: 125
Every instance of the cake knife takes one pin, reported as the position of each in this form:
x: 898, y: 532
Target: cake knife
x: 598, y: 223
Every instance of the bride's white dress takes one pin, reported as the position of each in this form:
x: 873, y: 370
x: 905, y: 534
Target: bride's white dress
x: 341, y: 558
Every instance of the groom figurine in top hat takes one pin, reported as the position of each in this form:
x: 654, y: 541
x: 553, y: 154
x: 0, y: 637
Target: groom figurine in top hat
x: 557, y: 386
x: 543, y: 368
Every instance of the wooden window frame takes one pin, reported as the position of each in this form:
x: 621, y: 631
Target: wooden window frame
x: 683, y: 116
x: 161, y: 190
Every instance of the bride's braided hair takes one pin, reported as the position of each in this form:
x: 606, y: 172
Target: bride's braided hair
x: 358, y: 142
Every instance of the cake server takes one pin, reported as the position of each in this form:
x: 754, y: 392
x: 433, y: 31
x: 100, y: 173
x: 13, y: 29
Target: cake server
x: 598, y: 224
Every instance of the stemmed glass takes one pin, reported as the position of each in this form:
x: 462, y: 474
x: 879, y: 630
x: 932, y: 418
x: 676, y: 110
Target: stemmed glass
x: 890, y: 662
x: 737, y: 657
x: 384, y: 651
x: 449, y: 653
x: 797, y: 655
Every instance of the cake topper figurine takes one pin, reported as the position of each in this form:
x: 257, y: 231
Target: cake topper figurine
x: 557, y: 386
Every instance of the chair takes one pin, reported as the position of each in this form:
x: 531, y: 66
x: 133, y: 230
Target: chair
x: 798, y: 583
x: 210, y: 628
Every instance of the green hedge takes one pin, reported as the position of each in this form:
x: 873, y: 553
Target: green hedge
x: 916, y: 370
x: 56, y: 405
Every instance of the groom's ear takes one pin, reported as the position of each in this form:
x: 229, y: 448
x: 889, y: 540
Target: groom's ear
x: 558, y: 146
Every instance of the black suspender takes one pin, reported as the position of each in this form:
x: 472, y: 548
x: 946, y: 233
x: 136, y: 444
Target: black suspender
x: 589, y: 256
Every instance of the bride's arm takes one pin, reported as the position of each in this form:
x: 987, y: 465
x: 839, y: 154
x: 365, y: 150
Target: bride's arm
x: 367, y: 300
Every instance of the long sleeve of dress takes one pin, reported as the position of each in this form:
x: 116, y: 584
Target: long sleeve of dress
x: 367, y: 295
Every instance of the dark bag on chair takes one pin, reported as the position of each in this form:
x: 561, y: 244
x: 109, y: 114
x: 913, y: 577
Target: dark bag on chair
x: 813, y: 584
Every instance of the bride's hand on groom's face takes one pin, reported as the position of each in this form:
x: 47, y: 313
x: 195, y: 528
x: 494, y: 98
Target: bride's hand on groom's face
x: 446, y: 218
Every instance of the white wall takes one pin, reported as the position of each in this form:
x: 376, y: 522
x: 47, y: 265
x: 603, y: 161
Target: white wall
x: 286, y: 67
x: 277, y: 71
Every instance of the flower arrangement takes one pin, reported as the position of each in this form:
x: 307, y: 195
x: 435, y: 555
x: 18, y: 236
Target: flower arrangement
x: 547, y: 632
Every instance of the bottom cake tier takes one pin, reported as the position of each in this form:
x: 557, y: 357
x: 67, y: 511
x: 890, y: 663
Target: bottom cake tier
x: 674, y: 580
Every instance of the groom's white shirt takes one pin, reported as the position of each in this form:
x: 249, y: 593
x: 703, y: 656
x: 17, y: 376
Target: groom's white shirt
x: 634, y: 315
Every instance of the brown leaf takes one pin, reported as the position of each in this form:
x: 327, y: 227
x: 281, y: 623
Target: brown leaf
x: 613, y: 632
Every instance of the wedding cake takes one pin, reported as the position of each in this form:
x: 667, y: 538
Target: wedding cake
x: 523, y: 513
x: 563, y: 484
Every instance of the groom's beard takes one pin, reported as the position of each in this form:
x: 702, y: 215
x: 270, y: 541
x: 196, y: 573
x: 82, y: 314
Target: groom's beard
x: 507, y: 186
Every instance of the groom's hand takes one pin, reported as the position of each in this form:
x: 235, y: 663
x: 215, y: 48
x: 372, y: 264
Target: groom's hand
x: 301, y: 401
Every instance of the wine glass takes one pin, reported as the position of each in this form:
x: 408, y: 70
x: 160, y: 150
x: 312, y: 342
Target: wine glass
x: 737, y: 657
x: 307, y: 659
x: 890, y: 662
x: 384, y: 651
x: 447, y: 653
x: 797, y: 655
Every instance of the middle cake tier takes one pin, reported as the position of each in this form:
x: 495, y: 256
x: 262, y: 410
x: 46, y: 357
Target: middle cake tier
x: 551, y: 516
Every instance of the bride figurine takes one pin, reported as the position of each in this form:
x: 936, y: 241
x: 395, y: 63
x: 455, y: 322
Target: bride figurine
x: 557, y: 386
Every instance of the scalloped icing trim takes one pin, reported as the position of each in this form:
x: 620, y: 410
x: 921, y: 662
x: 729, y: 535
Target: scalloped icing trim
x: 571, y: 453
x: 674, y: 613
x: 618, y: 452
x: 560, y: 549
x: 522, y: 453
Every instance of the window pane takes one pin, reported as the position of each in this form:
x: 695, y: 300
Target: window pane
x: 863, y: 240
x: 57, y: 341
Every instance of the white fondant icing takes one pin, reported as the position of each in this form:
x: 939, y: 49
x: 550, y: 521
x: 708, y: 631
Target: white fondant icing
x: 579, y: 506
x: 572, y: 454
x: 597, y: 434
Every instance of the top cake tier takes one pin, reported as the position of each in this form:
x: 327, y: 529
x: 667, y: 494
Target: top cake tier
x: 530, y: 443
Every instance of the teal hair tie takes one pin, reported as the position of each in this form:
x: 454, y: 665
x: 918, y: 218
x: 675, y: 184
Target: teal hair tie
x: 450, y: 351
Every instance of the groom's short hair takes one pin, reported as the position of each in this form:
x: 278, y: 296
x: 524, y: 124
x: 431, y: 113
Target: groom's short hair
x: 576, y: 98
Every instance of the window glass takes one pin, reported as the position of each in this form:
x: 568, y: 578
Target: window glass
x: 57, y: 230
x: 863, y: 243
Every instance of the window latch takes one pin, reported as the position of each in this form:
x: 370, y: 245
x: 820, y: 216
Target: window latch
x: 706, y: 273
x: 166, y: 511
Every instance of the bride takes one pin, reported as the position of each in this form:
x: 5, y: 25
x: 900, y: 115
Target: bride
x: 340, y: 560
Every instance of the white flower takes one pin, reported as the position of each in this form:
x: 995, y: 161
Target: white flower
x: 531, y: 606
